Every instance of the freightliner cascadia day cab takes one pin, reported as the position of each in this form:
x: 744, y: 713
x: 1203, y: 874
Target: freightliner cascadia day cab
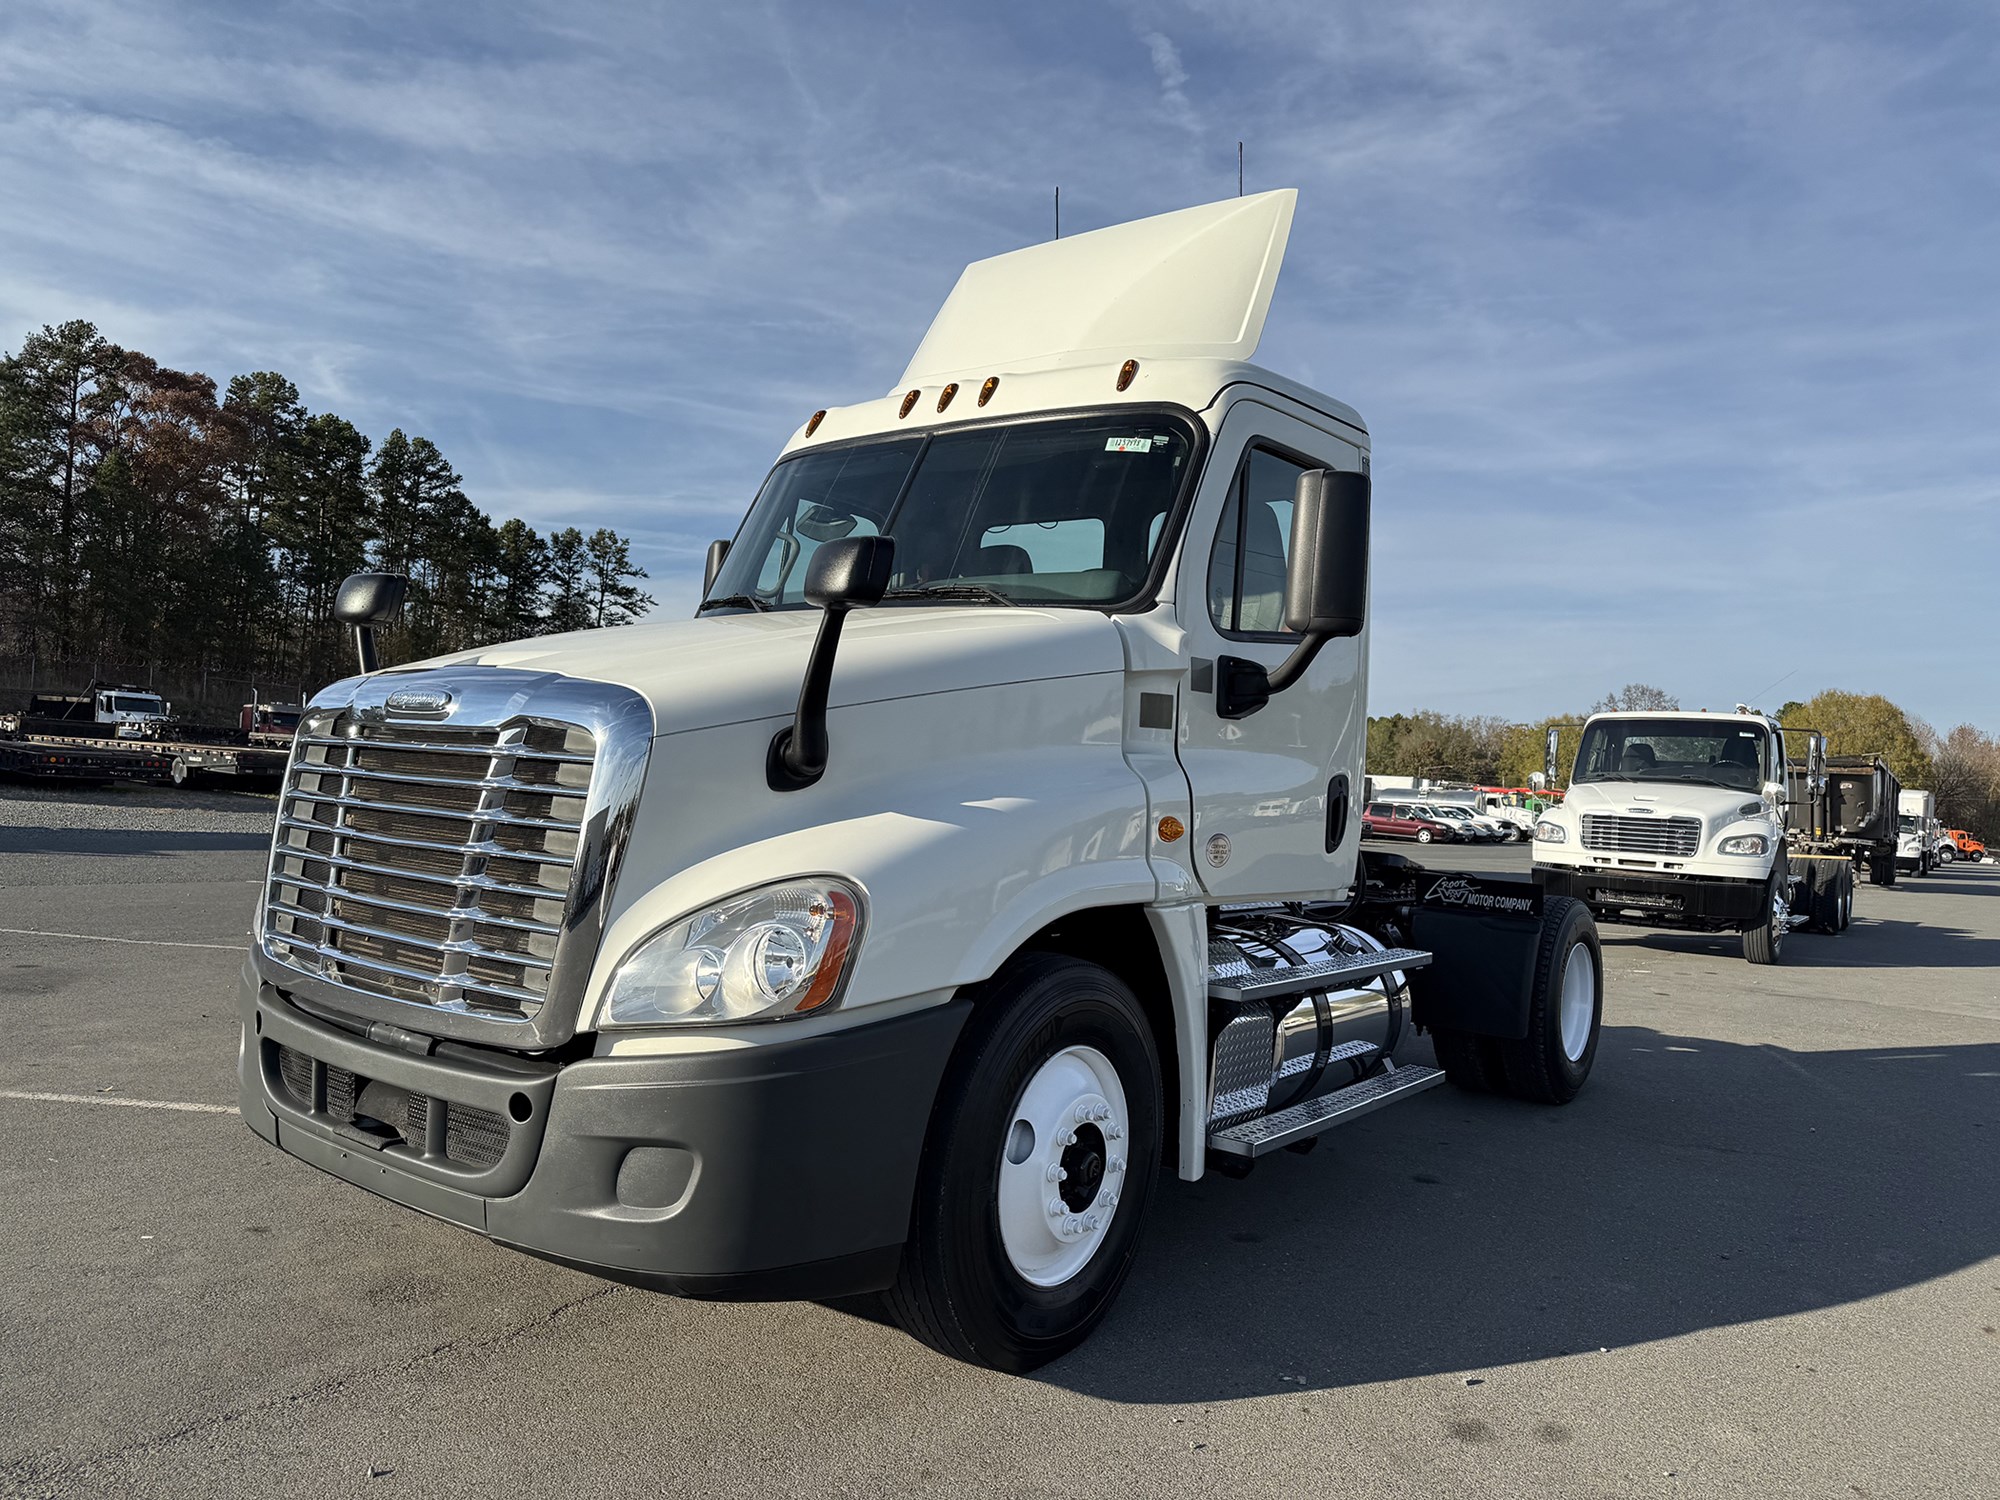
x: 979, y: 859
x: 1696, y: 821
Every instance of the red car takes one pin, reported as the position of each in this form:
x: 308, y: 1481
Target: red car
x: 1401, y: 820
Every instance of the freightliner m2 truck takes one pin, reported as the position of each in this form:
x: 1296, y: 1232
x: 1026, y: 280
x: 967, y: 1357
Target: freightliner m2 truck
x: 978, y: 860
x: 1695, y: 821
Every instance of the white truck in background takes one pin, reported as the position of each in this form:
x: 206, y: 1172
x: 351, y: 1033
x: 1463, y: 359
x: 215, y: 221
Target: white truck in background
x: 982, y: 856
x: 1917, y: 831
x: 1676, y: 819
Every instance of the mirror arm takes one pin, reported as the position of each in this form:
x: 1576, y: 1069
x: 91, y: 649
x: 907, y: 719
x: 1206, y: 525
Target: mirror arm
x: 1293, y: 667
x: 364, y: 648
x: 798, y: 753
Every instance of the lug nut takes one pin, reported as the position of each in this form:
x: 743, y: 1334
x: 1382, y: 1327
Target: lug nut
x: 1115, y: 1133
x: 1056, y: 1173
x: 1083, y: 1114
x: 1116, y: 1164
x: 1072, y: 1226
x: 1056, y: 1208
x: 1110, y: 1200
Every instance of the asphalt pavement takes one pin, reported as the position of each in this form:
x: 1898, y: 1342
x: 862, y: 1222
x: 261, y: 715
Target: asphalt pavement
x: 1757, y: 1258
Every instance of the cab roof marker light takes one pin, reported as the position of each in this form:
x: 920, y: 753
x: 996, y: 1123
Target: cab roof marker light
x: 1126, y: 372
x: 908, y: 402
x: 945, y: 395
x: 812, y: 423
x: 986, y: 391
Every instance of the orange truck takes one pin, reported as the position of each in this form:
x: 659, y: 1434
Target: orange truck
x: 1969, y: 848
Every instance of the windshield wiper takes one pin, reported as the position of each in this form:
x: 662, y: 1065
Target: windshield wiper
x: 952, y: 591
x: 738, y: 601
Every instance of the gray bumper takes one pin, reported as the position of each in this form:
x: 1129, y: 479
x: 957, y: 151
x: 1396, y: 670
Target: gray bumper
x: 777, y: 1171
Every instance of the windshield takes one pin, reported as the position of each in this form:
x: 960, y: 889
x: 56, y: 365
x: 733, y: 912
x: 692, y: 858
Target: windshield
x: 1906, y: 824
x: 125, y: 703
x: 1059, y: 512
x: 1447, y: 812
x: 1726, y: 753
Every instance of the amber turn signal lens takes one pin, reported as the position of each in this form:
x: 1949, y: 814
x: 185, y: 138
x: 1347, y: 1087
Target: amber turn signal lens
x: 1171, y: 828
x: 908, y: 402
x: 986, y: 391
x: 945, y: 395
x: 1126, y: 371
x: 812, y: 425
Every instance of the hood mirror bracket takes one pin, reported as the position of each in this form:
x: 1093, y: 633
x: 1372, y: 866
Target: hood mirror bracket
x: 843, y: 574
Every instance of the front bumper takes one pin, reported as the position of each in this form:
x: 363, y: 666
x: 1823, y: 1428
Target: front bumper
x: 781, y: 1170
x: 1695, y: 900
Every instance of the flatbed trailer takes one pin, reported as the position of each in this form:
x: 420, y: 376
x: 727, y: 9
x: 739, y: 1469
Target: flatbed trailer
x: 83, y: 759
x: 145, y: 760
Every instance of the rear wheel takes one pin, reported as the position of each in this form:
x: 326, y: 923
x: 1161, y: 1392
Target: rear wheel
x: 1565, y: 1009
x: 1881, y: 871
x: 1037, y: 1171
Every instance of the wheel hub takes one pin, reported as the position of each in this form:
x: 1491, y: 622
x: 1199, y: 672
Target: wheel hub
x: 1062, y: 1165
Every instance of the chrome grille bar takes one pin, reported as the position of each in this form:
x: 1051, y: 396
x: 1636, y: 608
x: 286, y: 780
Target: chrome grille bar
x: 1616, y: 834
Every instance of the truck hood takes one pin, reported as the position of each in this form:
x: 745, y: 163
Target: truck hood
x: 1714, y: 805
x: 728, y: 668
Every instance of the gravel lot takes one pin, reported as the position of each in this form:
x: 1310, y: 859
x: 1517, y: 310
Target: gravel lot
x: 1756, y: 1259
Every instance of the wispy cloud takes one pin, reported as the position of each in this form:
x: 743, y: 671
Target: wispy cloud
x: 1674, y: 324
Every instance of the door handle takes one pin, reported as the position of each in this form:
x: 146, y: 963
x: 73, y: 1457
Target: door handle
x: 1336, y: 811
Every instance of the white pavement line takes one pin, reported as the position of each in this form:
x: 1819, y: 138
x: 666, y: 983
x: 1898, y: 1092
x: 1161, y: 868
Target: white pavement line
x: 92, y: 937
x: 193, y: 1109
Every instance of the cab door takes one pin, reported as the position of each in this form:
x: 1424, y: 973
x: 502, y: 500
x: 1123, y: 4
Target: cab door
x: 1276, y: 792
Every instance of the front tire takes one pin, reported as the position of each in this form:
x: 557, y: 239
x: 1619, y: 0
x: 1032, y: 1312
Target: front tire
x: 1041, y: 1158
x: 1765, y: 943
x: 1423, y: 835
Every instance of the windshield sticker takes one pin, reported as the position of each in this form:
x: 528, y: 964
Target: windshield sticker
x: 1128, y: 445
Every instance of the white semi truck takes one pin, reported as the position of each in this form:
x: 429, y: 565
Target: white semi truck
x: 1688, y: 820
x: 981, y: 857
x: 1917, y: 831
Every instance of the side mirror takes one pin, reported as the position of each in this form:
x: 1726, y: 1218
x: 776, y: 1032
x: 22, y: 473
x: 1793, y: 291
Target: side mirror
x: 364, y: 601
x: 1326, y: 575
x: 1549, y: 755
x: 842, y: 575
x: 1326, y: 586
x: 717, y: 552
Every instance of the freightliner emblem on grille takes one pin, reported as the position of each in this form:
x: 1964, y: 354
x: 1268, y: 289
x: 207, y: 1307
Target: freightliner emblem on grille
x: 418, y: 701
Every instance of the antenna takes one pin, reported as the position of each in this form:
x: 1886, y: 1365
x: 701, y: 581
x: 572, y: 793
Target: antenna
x: 1239, y: 169
x: 1058, y: 213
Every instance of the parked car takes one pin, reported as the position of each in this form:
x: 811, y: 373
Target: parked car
x: 1402, y: 820
x: 1473, y: 830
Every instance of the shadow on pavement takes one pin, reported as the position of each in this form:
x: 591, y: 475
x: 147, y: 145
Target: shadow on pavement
x: 123, y: 843
x: 1695, y: 1184
x: 1873, y: 942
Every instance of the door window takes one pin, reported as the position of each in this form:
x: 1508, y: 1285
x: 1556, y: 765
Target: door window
x: 1246, y: 570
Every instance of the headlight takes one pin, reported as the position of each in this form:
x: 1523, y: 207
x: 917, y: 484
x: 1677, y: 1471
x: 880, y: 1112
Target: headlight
x: 1744, y: 843
x: 779, y: 951
x: 1551, y: 833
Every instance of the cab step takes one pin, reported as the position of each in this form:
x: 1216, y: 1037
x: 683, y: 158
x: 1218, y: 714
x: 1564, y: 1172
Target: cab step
x: 1255, y: 1138
x: 1343, y: 971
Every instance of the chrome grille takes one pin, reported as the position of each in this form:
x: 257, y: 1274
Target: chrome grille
x: 430, y: 864
x: 1609, y: 832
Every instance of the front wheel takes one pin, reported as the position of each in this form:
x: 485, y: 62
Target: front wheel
x: 1038, y: 1168
x: 1423, y: 835
x: 1765, y: 943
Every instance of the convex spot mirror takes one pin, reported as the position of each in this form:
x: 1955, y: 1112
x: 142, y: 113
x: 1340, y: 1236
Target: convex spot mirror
x: 364, y: 601
x: 370, y: 598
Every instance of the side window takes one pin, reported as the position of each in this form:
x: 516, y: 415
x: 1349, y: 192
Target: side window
x: 1246, y: 570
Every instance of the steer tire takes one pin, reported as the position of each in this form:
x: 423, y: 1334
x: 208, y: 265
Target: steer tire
x: 1765, y: 943
x: 1471, y: 1062
x: 1549, y: 1065
x: 960, y: 1289
x: 1423, y: 835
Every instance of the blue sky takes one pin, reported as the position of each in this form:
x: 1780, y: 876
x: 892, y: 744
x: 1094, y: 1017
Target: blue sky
x: 1675, y: 324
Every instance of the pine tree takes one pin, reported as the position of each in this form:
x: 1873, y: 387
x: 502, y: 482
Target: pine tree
x: 615, y: 600
x: 569, y: 606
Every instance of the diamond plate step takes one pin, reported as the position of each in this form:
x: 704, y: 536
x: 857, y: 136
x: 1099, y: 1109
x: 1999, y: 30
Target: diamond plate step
x: 1307, y: 979
x: 1253, y: 1138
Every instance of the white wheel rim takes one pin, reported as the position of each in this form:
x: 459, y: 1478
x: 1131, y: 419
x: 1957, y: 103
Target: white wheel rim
x: 1071, y: 1110
x: 1579, y: 1000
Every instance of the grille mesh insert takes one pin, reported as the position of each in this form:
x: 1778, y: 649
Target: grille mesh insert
x: 473, y: 1137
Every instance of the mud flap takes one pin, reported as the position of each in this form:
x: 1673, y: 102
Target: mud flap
x: 1484, y: 932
